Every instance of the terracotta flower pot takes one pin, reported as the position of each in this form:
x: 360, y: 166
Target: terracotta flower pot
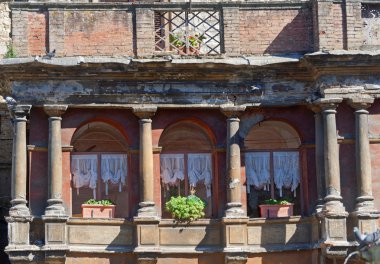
x: 276, y: 210
x: 98, y: 211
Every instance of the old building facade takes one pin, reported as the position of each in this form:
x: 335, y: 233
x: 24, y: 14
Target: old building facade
x: 140, y: 101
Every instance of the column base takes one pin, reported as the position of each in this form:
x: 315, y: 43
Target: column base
x: 147, y: 210
x: 366, y: 215
x: 18, y: 231
x: 365, y: 207
x: 19, y: 208
x: 333, y: 207
x: 55, y: 208
x: 234, y: 210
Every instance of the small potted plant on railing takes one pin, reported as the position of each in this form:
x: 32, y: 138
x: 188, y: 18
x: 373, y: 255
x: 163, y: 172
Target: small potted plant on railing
x: 187, y: 43
x: 98, y: 209
x: 273, y: 208
x: 186, y: 209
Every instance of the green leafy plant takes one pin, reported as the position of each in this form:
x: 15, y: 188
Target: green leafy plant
x: 11, y: 53
x: 179, y: 39
x: 187, y: 208
x: 274, y: 201
x: 100, y: 202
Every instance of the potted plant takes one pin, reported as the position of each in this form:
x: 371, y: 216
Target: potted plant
x: 179, y: 40
x: 98, y: 209
x: 188, y: 208
x: 273, y: 208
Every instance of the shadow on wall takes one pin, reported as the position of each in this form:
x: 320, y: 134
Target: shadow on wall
x: 295, y: 37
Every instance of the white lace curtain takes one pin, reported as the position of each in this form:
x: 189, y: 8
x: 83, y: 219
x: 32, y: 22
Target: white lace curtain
x: 286, y: 170
x: 84, y: 169
x: 172, y: 168
x: 257, y: 168
x: 199, y: 169
x: 114, y: 169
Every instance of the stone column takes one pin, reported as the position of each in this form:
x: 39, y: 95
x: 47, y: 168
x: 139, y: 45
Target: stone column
x: 55, y: 217
x: 365, y: 211
x: 234, y: 205
x: 19, y: 215
x: 333, y: 214
x: 319, y: 156
x: 147, y: 205
x: 55, y: 204
x: 19, y: 166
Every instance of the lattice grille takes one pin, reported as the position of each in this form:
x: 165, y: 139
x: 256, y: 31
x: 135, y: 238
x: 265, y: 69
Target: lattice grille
x: 188, y: 33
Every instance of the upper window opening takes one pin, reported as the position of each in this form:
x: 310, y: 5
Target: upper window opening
x: 272, y: 165
x: 99, y: 167
x: 186, y: 163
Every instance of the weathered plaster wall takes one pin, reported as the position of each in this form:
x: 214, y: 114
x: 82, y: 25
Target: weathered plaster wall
x: 5, y: 27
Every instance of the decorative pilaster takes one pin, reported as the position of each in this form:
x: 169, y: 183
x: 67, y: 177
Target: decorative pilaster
x: 319, y: 156
x: 147, y: 205
x: 365, y: 212
x: 234, y: 205
x: 333, y: 214
x: 55, y: 203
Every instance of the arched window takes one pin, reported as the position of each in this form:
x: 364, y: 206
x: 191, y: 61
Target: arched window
x: 272, y: 165
x: 186, y: 162
x: 99, y: 166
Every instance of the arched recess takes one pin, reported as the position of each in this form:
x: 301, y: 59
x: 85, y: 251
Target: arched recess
x: 100, y: 153
x: 187, y: 159
x: 272, y: 165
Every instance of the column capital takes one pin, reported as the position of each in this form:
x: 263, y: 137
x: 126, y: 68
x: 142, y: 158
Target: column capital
x: 144, y: 112
x: 232, y: 110
x: 361, y: 103
x: 55, y: 110
x: 21, y: 111
x: 328, y: 103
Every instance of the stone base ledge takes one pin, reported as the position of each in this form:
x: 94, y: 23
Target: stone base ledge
x: 101, y: 249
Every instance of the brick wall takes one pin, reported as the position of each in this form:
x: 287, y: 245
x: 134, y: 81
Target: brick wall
x: 37, y: 33
x: 72, y: 33
x: 275, y: 31
x: 98, y: 33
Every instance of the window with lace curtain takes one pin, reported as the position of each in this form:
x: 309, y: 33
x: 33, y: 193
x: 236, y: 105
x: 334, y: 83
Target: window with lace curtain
x: 186, y: 164
x: 272, y: 165
x: 99, y: 167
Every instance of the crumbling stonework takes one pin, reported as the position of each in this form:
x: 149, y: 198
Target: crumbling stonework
x: 5, y: 27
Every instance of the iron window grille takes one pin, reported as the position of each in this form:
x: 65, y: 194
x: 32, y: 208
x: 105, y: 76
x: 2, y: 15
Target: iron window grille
x: 188, y: 32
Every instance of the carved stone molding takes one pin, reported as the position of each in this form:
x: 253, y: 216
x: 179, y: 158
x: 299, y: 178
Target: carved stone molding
x: 144, y: 112
x: 361, y: 103
x: 236, y: 258
x: 232, y: 111
x: 147, y: 258
x: 55, y: 110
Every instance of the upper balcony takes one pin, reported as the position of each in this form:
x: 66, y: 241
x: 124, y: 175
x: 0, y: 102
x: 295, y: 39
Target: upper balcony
x: 144, y: 30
